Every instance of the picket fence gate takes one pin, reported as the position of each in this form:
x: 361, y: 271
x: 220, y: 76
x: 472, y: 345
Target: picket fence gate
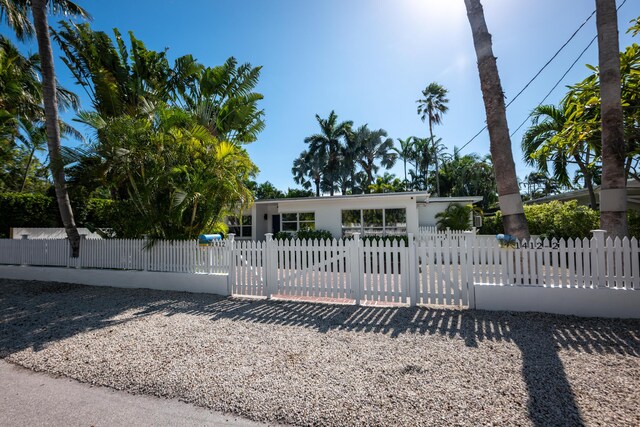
x: 437, y: 271
x: 359, y: 271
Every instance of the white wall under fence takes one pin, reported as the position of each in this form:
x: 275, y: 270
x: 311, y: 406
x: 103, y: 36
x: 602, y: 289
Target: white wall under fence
x: 164, y: 281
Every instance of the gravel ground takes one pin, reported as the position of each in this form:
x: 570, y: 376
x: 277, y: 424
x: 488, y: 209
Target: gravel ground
x: 314, y: 364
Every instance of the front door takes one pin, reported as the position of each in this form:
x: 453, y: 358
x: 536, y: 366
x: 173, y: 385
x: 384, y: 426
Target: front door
x: 275, y: 224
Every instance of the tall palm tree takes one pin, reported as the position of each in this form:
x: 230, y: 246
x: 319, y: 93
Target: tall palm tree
x: 328, y: 144
x: 431, y: 108
x: 404, y: 152
x: 33, y: 136
x: 16, y: 14
x: 307, y: 171
x: 373, y: 147
x: 613, y: 192
x: 510, y: 200
x: 543, y: 143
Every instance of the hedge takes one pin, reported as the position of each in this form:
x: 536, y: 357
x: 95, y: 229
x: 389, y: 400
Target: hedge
x: 559, y: 220
x: 38, y: 210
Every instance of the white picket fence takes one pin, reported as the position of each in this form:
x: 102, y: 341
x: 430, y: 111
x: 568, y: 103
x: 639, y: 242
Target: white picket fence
x: 180, y: 256
x: 440, y: 271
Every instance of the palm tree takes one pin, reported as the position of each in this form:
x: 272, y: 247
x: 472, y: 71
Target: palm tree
x: 16, y: 15
x: 404, y: 152
x: 613, y: 192
x: 307, y: 171
x: 33, y: 136
x: 328, y: 144
x: 510, y: 200
x: 373, y: 146
x: 431, y: 108
x: 543, y: 143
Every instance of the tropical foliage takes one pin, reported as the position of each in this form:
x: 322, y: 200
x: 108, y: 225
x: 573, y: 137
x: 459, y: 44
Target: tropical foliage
x: 431, y: 107
x: 570, y: 134
x: 552, y: 220
x: 179, y: 178
x: 166, y: 139
x: 455, y: 217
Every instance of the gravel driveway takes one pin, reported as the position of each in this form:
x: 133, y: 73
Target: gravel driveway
x: 314, y: 364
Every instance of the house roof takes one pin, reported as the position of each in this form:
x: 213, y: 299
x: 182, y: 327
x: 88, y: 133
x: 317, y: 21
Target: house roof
x: 419, y: 196
x: 633, y: 194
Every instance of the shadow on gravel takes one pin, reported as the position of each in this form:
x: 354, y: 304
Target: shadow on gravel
x: 33, y: 314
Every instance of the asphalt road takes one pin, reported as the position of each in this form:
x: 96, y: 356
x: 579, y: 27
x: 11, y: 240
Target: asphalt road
x: 28, y: 398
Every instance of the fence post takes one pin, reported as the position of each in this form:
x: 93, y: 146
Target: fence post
x: 146, y: 252
x: 269, y: 266
x: 412, y: 270
x: 355, y: 258
x: 601, y: 273
x: 469, y: 239
x: 23, y: 250
x: 231, y: 253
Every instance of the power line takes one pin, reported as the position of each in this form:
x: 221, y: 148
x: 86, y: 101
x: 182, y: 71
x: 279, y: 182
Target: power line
x: 561, y: 78
x: 556, y: 85
x: 543, y: 67
x: 538, y: 73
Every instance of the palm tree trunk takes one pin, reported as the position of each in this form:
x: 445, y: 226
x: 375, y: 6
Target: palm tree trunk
x: 435, y: 154
x: 404, y: 160
x: 509, y: 197
x: 39, y: 9
x: 613, y: 191
x: 26, y: 171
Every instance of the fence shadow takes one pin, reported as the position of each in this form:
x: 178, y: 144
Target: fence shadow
x: 34, y: 314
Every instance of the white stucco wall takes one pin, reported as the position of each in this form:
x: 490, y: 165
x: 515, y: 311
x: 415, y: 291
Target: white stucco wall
x: 202, y: 283
x: 328, y: 212
x: 598, y: 302
x: 427, y: 214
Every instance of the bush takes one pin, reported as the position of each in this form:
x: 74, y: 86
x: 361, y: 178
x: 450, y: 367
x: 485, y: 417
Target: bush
x: 633, y: 219
x: 283, y: 235
x: 27, y: 210
x: 314, y: 234
x: 305, y: 234
x: 455, y: 217
x: 552, y: 220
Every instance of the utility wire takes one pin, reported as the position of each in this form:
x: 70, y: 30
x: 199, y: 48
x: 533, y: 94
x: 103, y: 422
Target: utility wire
x: 556, y: 85
x: 539, y: 71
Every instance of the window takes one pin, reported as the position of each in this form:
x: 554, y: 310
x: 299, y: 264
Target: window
x: 293, y: 222
x: 241, y: 226
x: 374, y: 222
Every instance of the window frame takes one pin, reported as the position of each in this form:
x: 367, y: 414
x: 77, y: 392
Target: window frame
x: 377, y: 231
x: 241, y: 226
x: 298, y: 222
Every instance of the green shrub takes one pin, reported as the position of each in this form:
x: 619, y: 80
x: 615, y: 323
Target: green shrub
x: 283, y: 235
x: 633, y: 219
x: 552, y: 220
x: 305, y: 234
x: 455, y: 217
x: 27, y: 210
x: 314, y: 234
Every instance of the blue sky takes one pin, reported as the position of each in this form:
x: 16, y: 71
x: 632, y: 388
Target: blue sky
x: 366, y: 59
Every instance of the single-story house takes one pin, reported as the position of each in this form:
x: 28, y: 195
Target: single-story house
x: 369, y: 214
x: 582, y: 196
